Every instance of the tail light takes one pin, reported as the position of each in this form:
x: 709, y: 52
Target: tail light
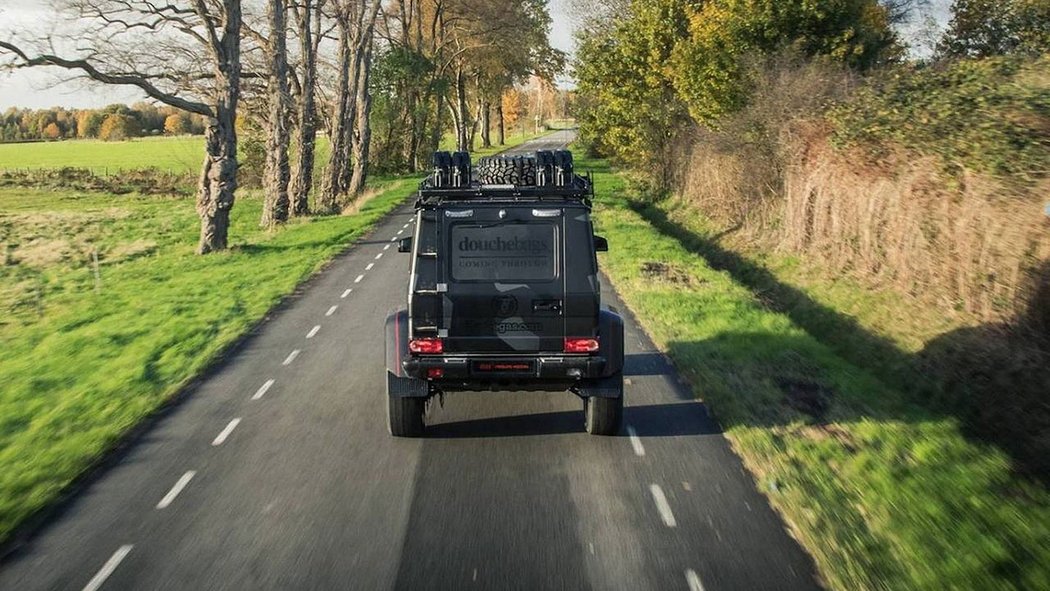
x: 426, y: 346
x: 581, y: 345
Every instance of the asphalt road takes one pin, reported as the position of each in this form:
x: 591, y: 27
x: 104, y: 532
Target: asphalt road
x: 276, y: 472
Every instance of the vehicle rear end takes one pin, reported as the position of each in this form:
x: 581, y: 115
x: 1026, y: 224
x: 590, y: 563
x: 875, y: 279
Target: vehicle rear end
x: 504, y: 296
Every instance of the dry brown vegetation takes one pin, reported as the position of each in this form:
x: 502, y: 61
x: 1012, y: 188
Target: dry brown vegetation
x: 966, y: 253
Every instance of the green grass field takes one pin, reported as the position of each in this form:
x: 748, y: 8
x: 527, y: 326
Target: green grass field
x: 882, y: 492
x: 170, y: 154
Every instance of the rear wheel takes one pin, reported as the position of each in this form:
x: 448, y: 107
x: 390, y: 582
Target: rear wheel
x: 405, y: 416
x: 604, y: 416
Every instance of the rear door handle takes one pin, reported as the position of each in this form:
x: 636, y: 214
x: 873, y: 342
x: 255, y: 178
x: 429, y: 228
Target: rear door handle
x: 546, y: 305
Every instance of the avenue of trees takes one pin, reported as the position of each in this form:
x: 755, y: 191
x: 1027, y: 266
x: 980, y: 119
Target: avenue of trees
x: 383, y: 80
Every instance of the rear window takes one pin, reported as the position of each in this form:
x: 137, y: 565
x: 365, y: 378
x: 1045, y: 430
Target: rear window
x: 504, y: 253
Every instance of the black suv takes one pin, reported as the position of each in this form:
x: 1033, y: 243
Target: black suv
x: 504, y: 291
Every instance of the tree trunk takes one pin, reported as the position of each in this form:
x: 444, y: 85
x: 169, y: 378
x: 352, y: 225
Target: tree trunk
x: 276, y: 172
x: 218, y: 180
x: 501, y: 132
x: 460, y: 112
x: 328, y: 201
x: 486, y: 124
x: 363, y: 127
x: 302, y: 174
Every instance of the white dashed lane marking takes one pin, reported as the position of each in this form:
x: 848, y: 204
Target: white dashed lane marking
x: 262, y: 390
x: 380, y: 255
x: 291, y: 357
x: 175, y: 490
x: 694, y: 580
x: 346, y: 293
x: 221, y: 437
x: 313, y: 331
x: 331, y: 310
x: 107, y: 569
x: 399, y: 232
x: 359, y: 278
x: 387, y: 247
x: 636, y: 443
x: 662, y: 506
x: 369, y: 267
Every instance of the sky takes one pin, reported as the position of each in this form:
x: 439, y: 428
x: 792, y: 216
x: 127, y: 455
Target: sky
x: 49, y: 87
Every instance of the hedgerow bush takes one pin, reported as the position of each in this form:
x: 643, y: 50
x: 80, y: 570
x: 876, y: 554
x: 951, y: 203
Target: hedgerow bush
x: 990, y: 116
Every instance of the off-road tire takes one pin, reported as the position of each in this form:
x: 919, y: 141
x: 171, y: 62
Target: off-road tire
x: 405, y: 415
x: 603, y: 416
x: 506, y: 170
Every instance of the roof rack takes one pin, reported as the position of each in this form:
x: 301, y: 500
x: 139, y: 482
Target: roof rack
x: 445, y: 185
x: 582, y: 189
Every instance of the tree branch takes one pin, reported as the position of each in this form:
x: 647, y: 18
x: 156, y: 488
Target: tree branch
x: 140, y: 81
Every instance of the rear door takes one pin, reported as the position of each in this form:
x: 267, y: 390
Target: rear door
x: 504, y: 267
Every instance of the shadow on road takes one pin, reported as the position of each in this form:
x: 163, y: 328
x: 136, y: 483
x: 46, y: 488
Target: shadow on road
x: 658, y: 420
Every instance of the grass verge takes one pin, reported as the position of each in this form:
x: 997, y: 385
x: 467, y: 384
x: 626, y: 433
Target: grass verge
x: 883, y: 492
x: 86, y: 359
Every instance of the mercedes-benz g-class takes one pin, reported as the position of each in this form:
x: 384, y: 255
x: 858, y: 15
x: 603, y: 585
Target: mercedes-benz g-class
x: 504, y: 293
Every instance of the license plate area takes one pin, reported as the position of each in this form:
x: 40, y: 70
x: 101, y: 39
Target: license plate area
x: 503, y: 368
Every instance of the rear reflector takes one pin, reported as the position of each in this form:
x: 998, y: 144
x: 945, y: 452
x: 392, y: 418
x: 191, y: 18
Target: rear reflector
x: 435, y: 372
x: 426, y: 346
x: 581, y: 345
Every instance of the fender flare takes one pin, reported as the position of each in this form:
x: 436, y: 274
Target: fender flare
x: 610, y: 339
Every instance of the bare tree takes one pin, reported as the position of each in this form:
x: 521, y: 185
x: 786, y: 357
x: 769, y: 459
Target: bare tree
x: 308, y: 27
x: 184, y: 53
x: 356, y: 23
x: 276, y: 173
x: 362, y: 136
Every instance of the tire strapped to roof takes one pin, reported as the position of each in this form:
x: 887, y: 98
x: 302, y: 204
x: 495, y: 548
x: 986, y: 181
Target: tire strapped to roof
x: 545, y: 169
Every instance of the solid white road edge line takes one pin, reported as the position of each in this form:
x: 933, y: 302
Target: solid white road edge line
x: 175, y: 490
x: 108, y: 568
x: 313, y: 331
x: 221, y: 437
x: 331, y: 310
x: 291, y: 357
x: 694, y: 580
x: 662, y: 506
x: 359, y: 278
x: 262, y: 390
x: 346, y: 293
x: 636, y: 443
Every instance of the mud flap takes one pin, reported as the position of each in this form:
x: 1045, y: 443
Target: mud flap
x: 397, y: 387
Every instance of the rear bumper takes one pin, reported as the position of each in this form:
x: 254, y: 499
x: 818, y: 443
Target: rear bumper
x: 531, y: 372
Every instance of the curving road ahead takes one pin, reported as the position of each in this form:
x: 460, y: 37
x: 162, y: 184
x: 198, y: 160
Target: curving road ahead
x: 276, y: 472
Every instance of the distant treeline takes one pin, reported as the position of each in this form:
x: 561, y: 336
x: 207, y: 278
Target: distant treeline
x: 113, y: 123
